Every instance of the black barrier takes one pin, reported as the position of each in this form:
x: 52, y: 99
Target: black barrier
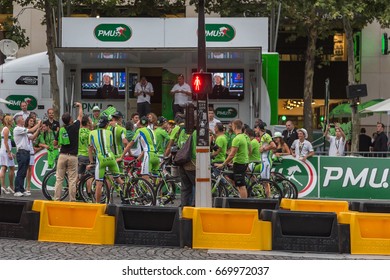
x: 17, y: 220
x: 248, y: 203
x: 370, y: 206
x: 185, y: 233
x: 141, y: 225
x: 306, y: 231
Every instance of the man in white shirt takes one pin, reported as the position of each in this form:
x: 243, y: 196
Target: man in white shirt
x: 143, y: 91
x: 337, y: 143
x: 23, y: 151
x: 24, y: 113
x: 182, y: 95
x: 301, y: 148
x: 212, y: 120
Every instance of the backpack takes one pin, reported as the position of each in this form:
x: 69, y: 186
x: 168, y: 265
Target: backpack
x: 184, y: 155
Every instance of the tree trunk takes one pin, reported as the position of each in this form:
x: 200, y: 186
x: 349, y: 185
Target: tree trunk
x: 308, y: 80
x: 351, y: 80
x: 51, y: 43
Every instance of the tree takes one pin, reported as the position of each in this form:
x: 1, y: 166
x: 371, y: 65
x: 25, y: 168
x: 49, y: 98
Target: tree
x: 107, y: 7
x: 356, y: 14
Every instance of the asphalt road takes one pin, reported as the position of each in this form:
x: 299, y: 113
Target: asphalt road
x: 17, y: 249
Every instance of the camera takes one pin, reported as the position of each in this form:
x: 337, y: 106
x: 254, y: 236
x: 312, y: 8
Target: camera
x: 174, y: 149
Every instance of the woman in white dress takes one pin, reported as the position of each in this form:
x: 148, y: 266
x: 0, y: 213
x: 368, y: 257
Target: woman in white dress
x: 6, y: 156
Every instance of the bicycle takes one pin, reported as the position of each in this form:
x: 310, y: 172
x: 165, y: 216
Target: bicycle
x: 167, y: 185
x: 134, y: 191
x: 48, y: 185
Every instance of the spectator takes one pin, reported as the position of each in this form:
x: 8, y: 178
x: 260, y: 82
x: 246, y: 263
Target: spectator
x: 143, y: 91
x: 152, y: 121
x: 6, y: 156
x: 21, y: 139
x: 281, y: 148
x: 68, y: 139
x: 212, y: 120
x: 30, y: 123
x: 182, y: 95
x: 51, y: 122
x: 135, y: 119
x: 290, y: 133
x: 301, y: 148
x: 380, y: 142
x: 365, y: 142
x: 337, y: 143
x: 24, y: 113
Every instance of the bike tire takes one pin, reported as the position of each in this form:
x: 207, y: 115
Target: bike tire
x: 166, y: 192
x: 217, y: 190
x: 89, y: 195
x: 258, y: 189
x: 289, y: 189
x: 48, y: 185
x: 139, y: 192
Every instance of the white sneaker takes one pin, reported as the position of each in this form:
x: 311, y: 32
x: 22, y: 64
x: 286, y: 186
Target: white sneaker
x: 4, y: 190
x: 10, y: 190
x: 26, y: 193
x: 19, y: 194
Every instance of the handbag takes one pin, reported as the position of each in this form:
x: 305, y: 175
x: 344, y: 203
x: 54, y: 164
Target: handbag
x: 184, y: 155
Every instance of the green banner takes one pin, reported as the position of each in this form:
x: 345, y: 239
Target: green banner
x: 339, y: 177
x: 169, y: 79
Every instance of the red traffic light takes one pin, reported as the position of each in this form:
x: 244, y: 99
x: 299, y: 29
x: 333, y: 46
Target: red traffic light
x: 201, y: 84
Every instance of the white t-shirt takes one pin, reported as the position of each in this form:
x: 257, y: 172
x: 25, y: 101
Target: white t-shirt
x: 337, y: 146
x: 182, y: 98
x: 140, y: 88
x: 21, y: 138
x: 213, y: 123
x: 301, y: 149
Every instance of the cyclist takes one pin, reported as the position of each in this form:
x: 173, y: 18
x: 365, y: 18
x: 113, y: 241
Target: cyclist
x: 101, y: 140
x: 239, y: 154
x: 267, y: 145
x: 254, y: 156
x: 119, y: 134
x: 95, y: 116
x: 174, y: 135
x: 219, y: 150
x: 150, y: 161
x: 162, y: 136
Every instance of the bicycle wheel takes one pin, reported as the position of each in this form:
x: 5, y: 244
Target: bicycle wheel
x: 264, y: 188
x: 166, y: 192
x: 48, y: 185
x: 288, y: 188
x: 217, y: 190
x: 140, y: 192
x: 87, y: 189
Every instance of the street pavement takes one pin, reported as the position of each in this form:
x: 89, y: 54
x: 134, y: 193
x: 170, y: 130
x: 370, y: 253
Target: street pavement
x: 17, y: 249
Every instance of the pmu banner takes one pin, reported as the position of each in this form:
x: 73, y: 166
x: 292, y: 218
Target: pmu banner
x: 338, y: 177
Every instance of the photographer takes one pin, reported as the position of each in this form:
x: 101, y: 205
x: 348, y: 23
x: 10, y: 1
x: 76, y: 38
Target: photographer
x: 68, y: 139
x: 143, y: 91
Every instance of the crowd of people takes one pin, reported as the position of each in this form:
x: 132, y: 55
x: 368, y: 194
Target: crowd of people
x: 104, y: 141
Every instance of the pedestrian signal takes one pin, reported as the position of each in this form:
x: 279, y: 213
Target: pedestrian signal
x: 201, y: 85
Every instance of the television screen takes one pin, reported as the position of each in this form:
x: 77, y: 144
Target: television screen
x: 227, y: 84
x: 95, y: 86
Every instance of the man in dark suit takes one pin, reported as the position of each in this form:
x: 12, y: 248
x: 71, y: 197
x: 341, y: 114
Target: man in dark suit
x: 380, y: 142
x: 219, y: 90
x: 290, y: 133
x: 107, y: 91
x: 364, y: 142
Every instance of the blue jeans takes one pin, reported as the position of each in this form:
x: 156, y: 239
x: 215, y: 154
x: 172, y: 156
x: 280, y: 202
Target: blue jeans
x: 23, y: 159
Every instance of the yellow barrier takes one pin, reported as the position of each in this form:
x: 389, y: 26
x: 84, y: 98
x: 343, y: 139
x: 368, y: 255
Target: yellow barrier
x: 74, y: 222
x: 225, y: 228
x: 314, y: 205
x: 369, y: 232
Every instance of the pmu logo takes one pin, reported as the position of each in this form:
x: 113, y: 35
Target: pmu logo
x: 40, y: 168
x: 301, y: 173
x: 112, y: 32
x: 219, y: 32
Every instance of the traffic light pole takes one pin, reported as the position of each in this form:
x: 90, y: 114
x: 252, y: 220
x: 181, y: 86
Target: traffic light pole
x: 202, y: 178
